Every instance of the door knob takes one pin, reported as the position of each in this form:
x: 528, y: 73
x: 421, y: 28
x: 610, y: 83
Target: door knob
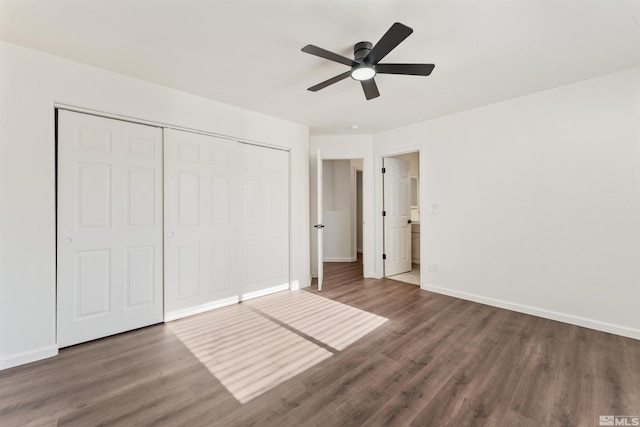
x: 67, y: 240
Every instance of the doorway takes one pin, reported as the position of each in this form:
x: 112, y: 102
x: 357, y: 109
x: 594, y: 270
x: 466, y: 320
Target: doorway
x: 401, y: 217
x: 340, y: 217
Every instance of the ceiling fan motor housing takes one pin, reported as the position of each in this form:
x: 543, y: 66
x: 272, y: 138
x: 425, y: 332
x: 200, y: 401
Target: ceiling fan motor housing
x: 361, y: 50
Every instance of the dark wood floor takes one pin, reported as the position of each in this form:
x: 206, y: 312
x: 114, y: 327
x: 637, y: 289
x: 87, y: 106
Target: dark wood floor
x: 437, y: 361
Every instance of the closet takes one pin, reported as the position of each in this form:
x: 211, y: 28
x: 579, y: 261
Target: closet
x: 156, y: 223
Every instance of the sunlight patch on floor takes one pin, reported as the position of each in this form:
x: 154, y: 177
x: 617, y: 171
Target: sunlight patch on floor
x: 249, y: 353
x: 335, y: 324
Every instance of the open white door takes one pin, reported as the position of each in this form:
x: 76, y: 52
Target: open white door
x: 319, y: 226
x: 397, y: 209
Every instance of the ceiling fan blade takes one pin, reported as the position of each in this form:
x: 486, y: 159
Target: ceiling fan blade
x: 370, y: 89
x: 392, y: 38
x: 323, y: 53
x: 331, y: 81
x: 409, y: 69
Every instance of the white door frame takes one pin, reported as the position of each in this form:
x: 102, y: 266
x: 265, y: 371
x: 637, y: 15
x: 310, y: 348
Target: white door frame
x: 379, y: 193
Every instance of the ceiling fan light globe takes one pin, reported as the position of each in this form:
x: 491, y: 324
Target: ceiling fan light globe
x: 363, y: 73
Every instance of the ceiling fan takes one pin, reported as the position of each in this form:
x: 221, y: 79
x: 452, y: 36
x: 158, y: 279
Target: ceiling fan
x: 366, y: 61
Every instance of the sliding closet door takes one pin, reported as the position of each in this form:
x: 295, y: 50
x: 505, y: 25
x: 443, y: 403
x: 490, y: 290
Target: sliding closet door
x: 202, y: 187
x: 109, y: 248
x: 265, y: 213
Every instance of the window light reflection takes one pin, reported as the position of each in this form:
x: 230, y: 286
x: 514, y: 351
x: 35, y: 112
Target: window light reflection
x: 249, y: 353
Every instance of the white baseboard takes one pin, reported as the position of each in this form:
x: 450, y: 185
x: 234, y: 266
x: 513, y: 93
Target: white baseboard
x: 28, y: 357
x: 296, y: 284
x: 345, y: 259
x: 540, y: 312
x: 197, y: 309
x: 371, y: 274
x: 263, y: 292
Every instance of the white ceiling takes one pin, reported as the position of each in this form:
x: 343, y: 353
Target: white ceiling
x: 247, y: 52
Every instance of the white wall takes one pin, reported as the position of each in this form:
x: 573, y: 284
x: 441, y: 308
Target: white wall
x: 342, y: 178
x: 539, y: 202
x: 336, y: 185
x: 339, y: 244
x: 345, y: 147
x: 30, y: 83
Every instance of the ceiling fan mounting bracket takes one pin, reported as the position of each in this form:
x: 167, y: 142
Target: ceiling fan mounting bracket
x: 361, y: 50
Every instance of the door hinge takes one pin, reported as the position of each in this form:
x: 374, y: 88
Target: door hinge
x: 384, y: 213
x: 384, y: 170
x: 384, y: 256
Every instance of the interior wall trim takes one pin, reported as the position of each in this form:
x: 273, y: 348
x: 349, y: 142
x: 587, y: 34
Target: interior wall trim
x: 262, y: 292
x: 190, y: 311
x: 28, y: 356
x: 108, y: 115
x: 540, y: 312
x: 341, y: 259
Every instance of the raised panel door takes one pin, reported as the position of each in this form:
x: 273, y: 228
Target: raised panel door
x: 202, y: 186
x: 109, y: 249
x: 265, y: 213
x: 397, y: 231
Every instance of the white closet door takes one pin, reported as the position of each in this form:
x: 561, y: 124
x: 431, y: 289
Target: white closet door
x: 109, y: 227
x: 265, y: 213
x: 202, y: 187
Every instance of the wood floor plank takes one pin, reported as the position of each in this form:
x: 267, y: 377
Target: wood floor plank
x: 437, y: 360
x: 534, y: 392
x: 614, y: 373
